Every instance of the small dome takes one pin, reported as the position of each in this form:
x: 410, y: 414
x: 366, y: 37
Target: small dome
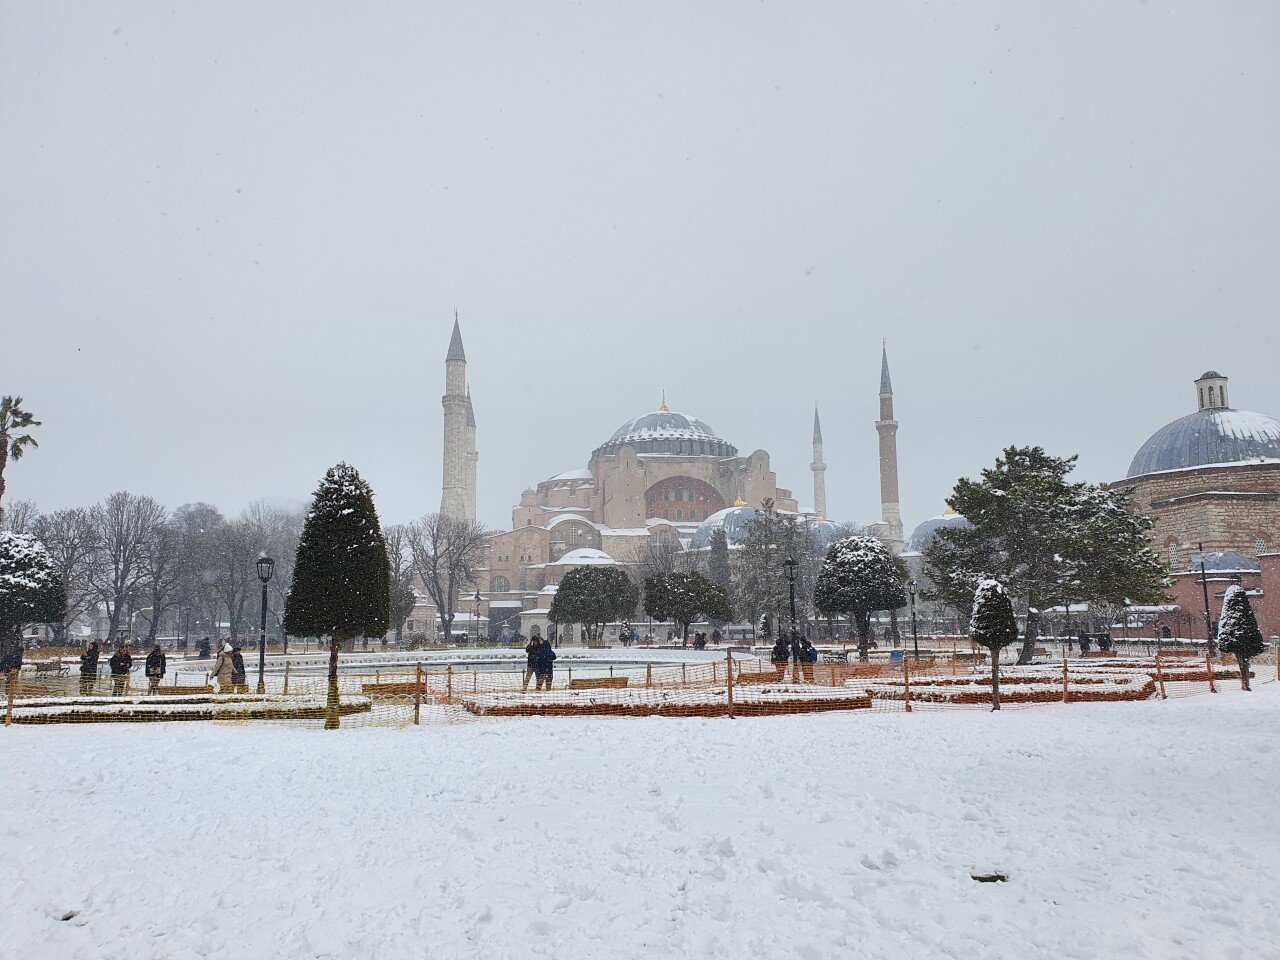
x: 733, y: 520
x: 665, y: 431
x: 586, y: 555
x: 1209, y: 436
x: 1212, y: 375
x: 1223, y: 562
x: 922, y: 536
x: 823, y: 533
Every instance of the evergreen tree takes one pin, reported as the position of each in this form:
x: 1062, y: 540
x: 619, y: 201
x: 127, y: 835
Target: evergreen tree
x: 718, y: 571
x: 594, y: 596
x: 341, y: 581
x: 30, y: 590
x: 1238, y: 631
x: 760, y: 581
x: 13, y: 417
x: 685, y: 598
x: 1049, y: 540
x: 993, y: 626
x: 859, y: 576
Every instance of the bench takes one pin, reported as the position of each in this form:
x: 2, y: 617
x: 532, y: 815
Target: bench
x: 763, y: 676
x: 56, y: 667
x: 598, y: 683
x: 1178, y: 652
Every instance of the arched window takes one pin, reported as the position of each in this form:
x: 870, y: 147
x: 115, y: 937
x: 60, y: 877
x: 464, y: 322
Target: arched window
x: 679, y: 514
x: 679, y: 493
x: 1222, y: 395
x: 499, y: 585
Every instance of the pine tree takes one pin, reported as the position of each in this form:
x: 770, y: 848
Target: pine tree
x: 859, y: 576
x: 342, y: 579
x: 994, y: 627
x: 1238, y: 631
x: 30, y: 590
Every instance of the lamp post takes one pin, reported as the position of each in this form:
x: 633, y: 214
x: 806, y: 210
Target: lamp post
x: 265, y: 568
x: 790, y: 564
x: 1208, y: 617
x: 475, y: 615
x: 915, y: 633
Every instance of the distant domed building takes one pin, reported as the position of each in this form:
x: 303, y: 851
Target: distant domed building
x: 1212, y: 478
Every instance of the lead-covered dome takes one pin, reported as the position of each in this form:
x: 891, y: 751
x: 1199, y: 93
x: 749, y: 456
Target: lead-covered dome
x: 666, y: 431
x: 1209, y: 436
x: 733, y: 520
x: 923, y: 535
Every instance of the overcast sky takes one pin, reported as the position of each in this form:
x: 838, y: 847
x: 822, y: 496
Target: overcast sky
x: 233, y: 235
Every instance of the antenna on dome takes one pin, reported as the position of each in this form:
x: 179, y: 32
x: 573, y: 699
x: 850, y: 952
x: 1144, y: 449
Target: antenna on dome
x: 663, y: 406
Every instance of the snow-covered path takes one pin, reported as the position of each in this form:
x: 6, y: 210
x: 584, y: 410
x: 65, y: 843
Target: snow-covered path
x: 1127, y: 830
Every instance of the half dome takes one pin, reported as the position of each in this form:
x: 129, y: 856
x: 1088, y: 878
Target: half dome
x: 1210, y: 436
x: 733, y: 520
x: 922, y: 536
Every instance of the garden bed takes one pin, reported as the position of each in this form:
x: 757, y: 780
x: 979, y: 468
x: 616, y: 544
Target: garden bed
x: 199, y: 707
x: 1025, y: 688
x: 757, y: 700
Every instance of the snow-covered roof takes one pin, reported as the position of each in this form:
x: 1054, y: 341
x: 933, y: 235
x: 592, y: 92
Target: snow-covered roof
x: 668, y: 432
x: 1207, y: 437
x: 572, y: 475
x: 586, y: 555
x: 565, y: 518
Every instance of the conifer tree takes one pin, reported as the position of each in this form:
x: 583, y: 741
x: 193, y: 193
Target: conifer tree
x: 30, y: 590
x: 685, y: 598
x: 342, y: 579
x: 594, y: 596
x: 994, y: 627
x: 718, y: 571
x: 1238, y: 631
x: 859, y: 576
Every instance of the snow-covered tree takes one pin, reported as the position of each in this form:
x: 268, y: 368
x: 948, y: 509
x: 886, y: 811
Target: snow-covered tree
x: 860, y: 576
x: 13, y: 444
x: 760, y: 581
x: 446, y: 553
x: 993, y: 626
x: 30, y: 589
x: 594, y: 596
x: 1238, y: 631
x: 685, y: 598
x: 341, y: 581
x: 718, y: 570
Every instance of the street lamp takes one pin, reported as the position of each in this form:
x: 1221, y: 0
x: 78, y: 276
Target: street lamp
x: 790, y: 564
x: 266, y: 566
x: 475, y: 615
x: 915, y: 633
x: 1208, y: 617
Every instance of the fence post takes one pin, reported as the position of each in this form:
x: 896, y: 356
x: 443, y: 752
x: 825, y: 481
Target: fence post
x: 715, y: 671
x: 906, y: 684
x: 1160, y: 679
x: 286, y: 678
x: 417, y: 696
x: 1208, y: 666
x: 1064, y: 679
x: 729, y: 682
x: 953, y: 658
x: 683, y: 677
x: 648, y: 674
x: 448, y: 687
x: 8, y: 697
x: 377, y: 678
x: 474, y: 675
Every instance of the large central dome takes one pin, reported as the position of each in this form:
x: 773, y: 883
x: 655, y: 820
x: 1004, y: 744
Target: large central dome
x: 665, y: 431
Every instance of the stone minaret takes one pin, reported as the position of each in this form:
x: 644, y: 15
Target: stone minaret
x: 819, y: 468
x: 473, y: 458
x: 887, y: 427
x: 456, y: 403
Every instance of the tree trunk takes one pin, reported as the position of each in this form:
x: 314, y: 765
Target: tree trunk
x: 995, y: 678
x: 331, y: 713
x: 4, y: 461
x: 863, y: 622
x: 1029, y: 638
x: 1244, y: 672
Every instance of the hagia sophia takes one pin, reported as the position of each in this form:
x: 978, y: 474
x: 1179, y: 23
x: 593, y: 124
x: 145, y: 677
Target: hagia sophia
x: 1209, y: 480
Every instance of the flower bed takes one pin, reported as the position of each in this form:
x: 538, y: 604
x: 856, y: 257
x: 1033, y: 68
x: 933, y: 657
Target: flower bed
x: 757, y: 700
x: 200, y: 707
x: 1019, y: 689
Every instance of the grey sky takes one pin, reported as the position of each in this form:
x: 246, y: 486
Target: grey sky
x: 234, y: 234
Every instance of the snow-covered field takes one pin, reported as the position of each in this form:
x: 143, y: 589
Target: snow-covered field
x: 1126, y: 830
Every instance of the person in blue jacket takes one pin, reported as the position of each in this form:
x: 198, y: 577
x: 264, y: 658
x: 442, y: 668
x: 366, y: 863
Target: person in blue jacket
x: 544, y: 659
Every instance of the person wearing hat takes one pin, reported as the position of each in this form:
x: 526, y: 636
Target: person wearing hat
x: 222, y: 668
x: 121, y: 663
x: 155, y: 669
x: 238, y: 684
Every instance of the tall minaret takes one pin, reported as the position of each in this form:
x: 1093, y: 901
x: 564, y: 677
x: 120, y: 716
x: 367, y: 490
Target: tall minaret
x: 453, y: 489
x: 473, y: 458
x: 887, y: 427
x: 819, y: 468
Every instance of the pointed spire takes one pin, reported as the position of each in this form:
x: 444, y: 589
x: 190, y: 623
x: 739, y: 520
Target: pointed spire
x: 663, y: 406
x: 886, y: 385
x: 471, y: 413
x: 817, y: 426
x: 455, y: 343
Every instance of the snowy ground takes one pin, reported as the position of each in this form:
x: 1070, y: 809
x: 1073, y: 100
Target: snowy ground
x: 1126, y: 830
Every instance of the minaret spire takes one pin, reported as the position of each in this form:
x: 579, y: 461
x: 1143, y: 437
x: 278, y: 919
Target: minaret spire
x: 819, y: 468
x: 890, y: 526
x: 457, y: 490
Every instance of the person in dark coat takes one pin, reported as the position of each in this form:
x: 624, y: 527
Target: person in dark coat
x: 779, y: 657
x: 89, y: 668
x: 544, y: 659
x: 121, y: 663
x: 238, y: 676
x: 531, y: 658
x: 808, y: 656
x: 155, y: 669
x: 1084, y: 642
x: 204, y: 648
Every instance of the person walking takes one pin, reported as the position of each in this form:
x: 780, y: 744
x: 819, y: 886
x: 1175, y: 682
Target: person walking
x: 155, y: 669
x: 89, y: 668
x: 779, y: 656
x: 808, y: 656
x: 543, y: 665
x: 531, y: 657
x: 239, y: 680
x: 121, y: 663
x: 222, y: 669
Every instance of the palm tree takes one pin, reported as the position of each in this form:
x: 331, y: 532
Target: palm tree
x: 12, y: 419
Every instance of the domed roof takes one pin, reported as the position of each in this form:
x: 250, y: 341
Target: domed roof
x: 666, y: 431
x: 733, y: 520
x: 922, y: 536
x: 585, y: 555
x: 1209, y: 436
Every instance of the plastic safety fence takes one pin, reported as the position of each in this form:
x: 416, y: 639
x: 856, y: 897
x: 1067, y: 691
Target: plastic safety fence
x: 733, y: 686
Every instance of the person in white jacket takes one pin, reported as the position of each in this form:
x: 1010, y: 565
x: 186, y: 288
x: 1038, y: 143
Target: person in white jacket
x: 222, y: 669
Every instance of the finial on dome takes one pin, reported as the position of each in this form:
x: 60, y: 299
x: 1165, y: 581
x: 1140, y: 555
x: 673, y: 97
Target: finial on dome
x: 739, y: 502
x: 662, y: 407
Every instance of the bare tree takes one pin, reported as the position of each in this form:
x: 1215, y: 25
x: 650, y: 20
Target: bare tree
x: 398, y: 537
x: 122, y: 526
x: 200, y: 525
x: 446, y: 552
x: 234, y: 572
x: 70, y: 538
x: 161, y: 583
x: 20, y: 517
x: 276, y: 531
x: 663, y: 554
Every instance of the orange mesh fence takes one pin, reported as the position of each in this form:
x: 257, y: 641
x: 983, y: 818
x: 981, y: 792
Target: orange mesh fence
x: 741, y: 685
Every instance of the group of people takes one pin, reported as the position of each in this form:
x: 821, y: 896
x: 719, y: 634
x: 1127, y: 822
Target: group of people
x: 540, y: 658
x: 121, y: 664
x: 796, y: 650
